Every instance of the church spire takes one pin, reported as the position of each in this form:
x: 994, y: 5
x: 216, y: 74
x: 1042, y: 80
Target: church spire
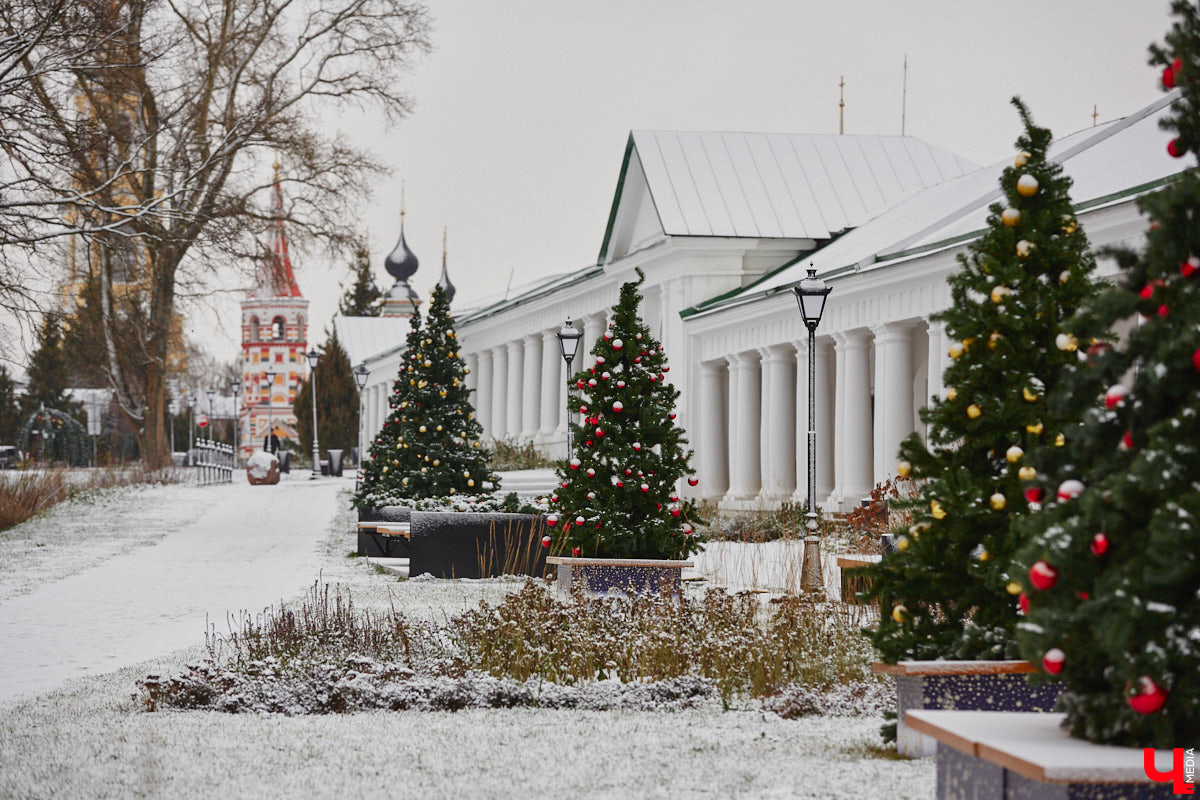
x: 444, y: 281
x: 275, y: 275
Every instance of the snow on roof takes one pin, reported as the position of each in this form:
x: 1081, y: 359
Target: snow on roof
x: 800, y: 186
x: 1111, y: 159
x: 494, y: 302
x: 364, y: 337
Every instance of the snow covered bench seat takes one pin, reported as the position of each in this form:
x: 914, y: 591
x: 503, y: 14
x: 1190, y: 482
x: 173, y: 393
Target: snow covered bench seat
x: 384, y: 539
x: 997, y: 755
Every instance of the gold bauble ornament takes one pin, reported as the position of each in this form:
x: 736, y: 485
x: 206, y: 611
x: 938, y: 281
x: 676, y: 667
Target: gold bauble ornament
x: 1022, y: 159
x: 899, y: 614
x: 952, y: 394
x: 466, y: 474
x: 967, y: 342
x: 994, y: 340
x: 902, y: 543
x: 404, y: 482
x: 422, y: 429
x: 1064, y: 276
x: 1027, y: 473
x: 1014, y: 588
x: 437, y: 462
x: 1029, y: 394
x: 470, y: 483
x: 1014, y: 454
x: 935, y: 508
x: 439, y: 427
x: 974, y: 411
x: 1069, y: 225
x: 1060, y: 440
x: 904, y: 469
x: 984, y: 555
x: 1024, y: 248
x: 999, y: 293
x: 424, y: 470
x: 428, y: 363
x: 1067, y: 342
x: 466, y: 370
x: 442, y: 393
x: 956, y: 350
x: 1035, y: 429
x: 1027, y: 185
x: 451, y: 490
x: 997, y: 501
x: 1010, y: 217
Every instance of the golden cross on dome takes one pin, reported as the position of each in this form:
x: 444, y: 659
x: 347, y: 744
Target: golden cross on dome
x: 842, y: 104
x: 1095, y: 115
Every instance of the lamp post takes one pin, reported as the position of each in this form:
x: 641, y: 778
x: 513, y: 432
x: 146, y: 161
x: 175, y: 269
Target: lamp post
x: 212, y: 417
x: 811, y: 294
x: 191, y: 404
x: 235, y: 383
x: 568, y: 342
x: 360, y: 377
x: 313, y: 358
x: 270, y: 375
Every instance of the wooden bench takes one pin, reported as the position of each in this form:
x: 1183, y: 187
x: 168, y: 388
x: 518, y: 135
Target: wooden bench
x: 402, y: 529
x: 384, y: 539
x: 853, y: 584
x: 995, y: 755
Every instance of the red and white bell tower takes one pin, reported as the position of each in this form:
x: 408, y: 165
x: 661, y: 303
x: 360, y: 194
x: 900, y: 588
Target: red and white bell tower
x: 274, y: 340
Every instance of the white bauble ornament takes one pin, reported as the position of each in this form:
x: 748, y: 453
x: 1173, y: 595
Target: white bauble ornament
x: 617, y: 344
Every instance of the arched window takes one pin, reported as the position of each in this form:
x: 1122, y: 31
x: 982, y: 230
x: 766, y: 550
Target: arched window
x: 277, y: 329
x: 254, y: 329
x: 300, y: 328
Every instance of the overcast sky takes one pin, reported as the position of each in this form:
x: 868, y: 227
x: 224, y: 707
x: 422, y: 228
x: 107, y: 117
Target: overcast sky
x: 524, y: 107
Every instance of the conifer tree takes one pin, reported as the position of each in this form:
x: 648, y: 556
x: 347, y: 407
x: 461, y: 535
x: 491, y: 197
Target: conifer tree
x: 364, y: 297
x: 337, y: 402
x: 618, y: 488
x: 49, y: 373
x: 1112, y: 572
x: 430, y: 443
x: 944, y: 592
x: 10, y: 413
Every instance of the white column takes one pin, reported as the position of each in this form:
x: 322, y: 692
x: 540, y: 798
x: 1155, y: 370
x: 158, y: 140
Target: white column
x: 471, y: 360
x: 516, y: 374
x: 825, y: 416
x: 531, y: 388
x: 499, y: 415
x: 779, y: 381
x: 893, y: 393
x: 714, y: 433
x: 483, y: 391
x: 939, y: 347
x: 552, y: 364
x: 838, y: 495
x: 857, y: 431
x: 745, y: 372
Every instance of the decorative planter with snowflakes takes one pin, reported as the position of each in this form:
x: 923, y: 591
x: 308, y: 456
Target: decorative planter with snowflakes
x: 602, y: 577
x: 963, y: 686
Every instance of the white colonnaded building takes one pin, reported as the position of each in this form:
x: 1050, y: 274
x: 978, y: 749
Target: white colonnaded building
x: 724, y: 225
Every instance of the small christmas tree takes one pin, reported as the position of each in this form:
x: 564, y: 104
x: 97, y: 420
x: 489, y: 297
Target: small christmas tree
x: 1112, y: 573
x: 944, y: 592
x: 430, y: 443
x: 618, y: 488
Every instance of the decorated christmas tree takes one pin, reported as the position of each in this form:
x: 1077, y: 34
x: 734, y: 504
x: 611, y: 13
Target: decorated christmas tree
x: 945, y: 592
x: 429, y: 446
x: 618, y: 494
x: 1112, y: 573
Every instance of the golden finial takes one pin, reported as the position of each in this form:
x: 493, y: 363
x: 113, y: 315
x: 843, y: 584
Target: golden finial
x: 842, y: 104
x: 444, y: 229
x: 1095, y: 115
x: 401, y: 201
x: 277, y: 166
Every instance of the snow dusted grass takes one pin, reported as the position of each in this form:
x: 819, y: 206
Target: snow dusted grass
x: 90, y: 739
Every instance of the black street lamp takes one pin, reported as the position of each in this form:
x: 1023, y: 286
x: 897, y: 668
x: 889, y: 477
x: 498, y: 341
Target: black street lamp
x: 191, y: 404
x: 313, y: 357
x: 360, y: 377
x: 212, y: 416
x: 270, y: 376
x: 235, y: 383
x: 568, y: 342
x: 810, y: 296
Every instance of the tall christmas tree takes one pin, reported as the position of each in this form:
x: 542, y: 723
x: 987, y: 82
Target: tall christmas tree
x: 618, y: 488
x: 430, y: 443
x: 1112, y: 574
x: 945, y: 591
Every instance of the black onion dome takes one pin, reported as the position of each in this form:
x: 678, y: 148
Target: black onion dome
x: 401, y: 264
x: 445, y: 283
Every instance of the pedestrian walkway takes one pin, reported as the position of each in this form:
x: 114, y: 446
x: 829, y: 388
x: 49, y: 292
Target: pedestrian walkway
x: 254, y: 546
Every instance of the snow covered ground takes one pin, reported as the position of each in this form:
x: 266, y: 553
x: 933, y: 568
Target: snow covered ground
x: 95, y: 595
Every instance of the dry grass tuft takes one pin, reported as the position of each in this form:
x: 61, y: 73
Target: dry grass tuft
x: 25, y: 494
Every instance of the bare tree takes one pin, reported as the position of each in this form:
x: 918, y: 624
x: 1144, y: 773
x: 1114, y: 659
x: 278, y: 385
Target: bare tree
x: 155, y: 146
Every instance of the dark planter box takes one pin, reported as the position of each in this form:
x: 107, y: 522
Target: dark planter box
x: 466, y: 544
x: 995, y: 755
x: 964, y: 686
x: 385, y: 514
x: 601, y: 577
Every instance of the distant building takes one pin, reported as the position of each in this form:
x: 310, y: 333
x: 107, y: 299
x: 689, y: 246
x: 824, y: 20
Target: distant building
x: 274, y: 339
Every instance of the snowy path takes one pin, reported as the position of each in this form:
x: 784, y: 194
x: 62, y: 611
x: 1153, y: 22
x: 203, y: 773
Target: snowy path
x: 247, y: 548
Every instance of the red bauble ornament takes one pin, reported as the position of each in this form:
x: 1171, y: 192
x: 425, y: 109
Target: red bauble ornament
x: 1168, y: 78
x: 1099, y: 544
x: 1148, y: 290
x: 671, y: 415
x: 618, y: 406
x: 687, y: 529
x: 579, y: 383
x: 675, y: 512
x: 1146, y: 696
x: 1190, y: 267
x: 565, y: 484
x: 1127, y: 441
x: 579, y: 521
x: 1081, y: 596
x: 628, y: 472
x: 575, y: 463
x: 1043, y: 576
x: 599, y: 432
x: 1023, y: 603
x: 583, y: 409
x: 591, y: 472
x: 1176, y: 148
x: 545, y: 541
x: 666, y: 368
x: 620, y: 484
x: 1196, y: 359
x: 693, y: 481
x: 1053, y: 661
x: 1115, y: 395
x: 591, y: 382
x: 1035, y: 494
x: 552, y: 521
x: 1163, y: 310
x: 645, y: 487
x: 1070, y: 489
x: 637, y: 359
x: 653, y: 378
x: 637, y: 445
x: 575, y: 552
x: 1177, y: 65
